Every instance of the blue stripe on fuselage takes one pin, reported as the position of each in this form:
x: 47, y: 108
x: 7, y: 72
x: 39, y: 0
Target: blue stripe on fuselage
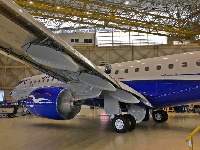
x: 164, y: 93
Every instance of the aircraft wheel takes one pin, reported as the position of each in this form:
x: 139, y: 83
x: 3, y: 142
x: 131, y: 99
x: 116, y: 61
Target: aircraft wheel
x: 120, y: 123
x: 160, y: 116
x: 165, y: 115
x: 132, y: 122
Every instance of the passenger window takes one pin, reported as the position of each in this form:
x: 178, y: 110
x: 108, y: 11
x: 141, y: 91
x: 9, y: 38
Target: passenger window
x: 146, y: 68
x: 43, y: 80
x: 137, y: 69
x: 126, y: 71
x: 117, y: 71
x: 170, y: 66
x: 39, y: 81
x: 47, y: 80
x: 184, y: 64
x: 35, y: 81
x: 198, y: 63
x: 52, y: 79
x: 158, y: 67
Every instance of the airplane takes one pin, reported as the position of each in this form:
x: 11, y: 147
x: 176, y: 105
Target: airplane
x: 164, y: 81
x: 126, y: 90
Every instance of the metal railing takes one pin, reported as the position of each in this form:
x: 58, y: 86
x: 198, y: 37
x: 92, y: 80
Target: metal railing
x: 190, y: 138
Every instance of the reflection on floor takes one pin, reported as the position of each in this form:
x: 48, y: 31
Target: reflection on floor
x: 93, y: 132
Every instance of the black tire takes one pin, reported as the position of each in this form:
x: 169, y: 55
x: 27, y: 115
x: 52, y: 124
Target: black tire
x: 165, y: 116
x: 120, y: 123
x: 132, y: 122
x: 160, y: 116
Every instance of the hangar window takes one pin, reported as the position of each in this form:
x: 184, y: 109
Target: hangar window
x: 158, y: 67
x: 126, y: 71
x: 87, y: 40
x: 75, y: 40
x: 184, y: 64
x: 137, y: 69
x: 117, y: 71
x: 198, y: 63
x: 170, y: 66
x: 146, y: 68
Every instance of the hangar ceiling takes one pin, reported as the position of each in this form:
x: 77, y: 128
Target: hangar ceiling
x: 179, y: 19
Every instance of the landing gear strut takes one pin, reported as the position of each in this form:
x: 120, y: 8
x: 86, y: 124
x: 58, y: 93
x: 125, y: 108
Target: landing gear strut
x: 160, y: 116
x: 123, y: 123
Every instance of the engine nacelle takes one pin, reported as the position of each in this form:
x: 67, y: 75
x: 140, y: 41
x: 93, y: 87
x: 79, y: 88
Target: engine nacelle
x: 53, y: 103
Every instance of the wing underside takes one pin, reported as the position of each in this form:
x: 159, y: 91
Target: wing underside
x: 26, y: 40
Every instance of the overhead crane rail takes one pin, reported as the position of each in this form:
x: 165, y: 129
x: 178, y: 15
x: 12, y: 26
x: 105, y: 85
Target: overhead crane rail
x: 104, y: 15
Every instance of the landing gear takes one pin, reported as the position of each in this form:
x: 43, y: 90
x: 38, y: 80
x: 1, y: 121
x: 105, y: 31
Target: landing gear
x: 132, y: 122
x: 123, y: 123
x: 160, y: 116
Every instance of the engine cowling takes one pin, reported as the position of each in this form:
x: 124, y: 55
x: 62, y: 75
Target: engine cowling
x: 53, y: 103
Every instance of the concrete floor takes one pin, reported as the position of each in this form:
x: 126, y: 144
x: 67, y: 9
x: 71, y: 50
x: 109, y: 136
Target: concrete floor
x: 93, y: 132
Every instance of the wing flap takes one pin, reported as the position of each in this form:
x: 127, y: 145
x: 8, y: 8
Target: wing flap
x: 50, y: 57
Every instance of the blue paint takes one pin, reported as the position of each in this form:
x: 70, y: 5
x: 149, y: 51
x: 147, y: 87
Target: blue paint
x: 47, y: 108
x: 165, y: 93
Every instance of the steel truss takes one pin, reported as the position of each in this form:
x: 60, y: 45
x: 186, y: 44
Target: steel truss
x: 106, y: 15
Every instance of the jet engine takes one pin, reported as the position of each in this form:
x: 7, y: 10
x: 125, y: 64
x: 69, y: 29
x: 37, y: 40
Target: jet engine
x: 54, y: 103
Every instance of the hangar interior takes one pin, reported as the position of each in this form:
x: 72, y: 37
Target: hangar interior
x: 114, y: 31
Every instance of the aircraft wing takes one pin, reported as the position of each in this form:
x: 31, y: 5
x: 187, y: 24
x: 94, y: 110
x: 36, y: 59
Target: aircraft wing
x: 28, y: 41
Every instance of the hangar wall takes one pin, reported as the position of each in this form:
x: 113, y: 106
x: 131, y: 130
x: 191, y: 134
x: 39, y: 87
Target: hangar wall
x: 117, y: 54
